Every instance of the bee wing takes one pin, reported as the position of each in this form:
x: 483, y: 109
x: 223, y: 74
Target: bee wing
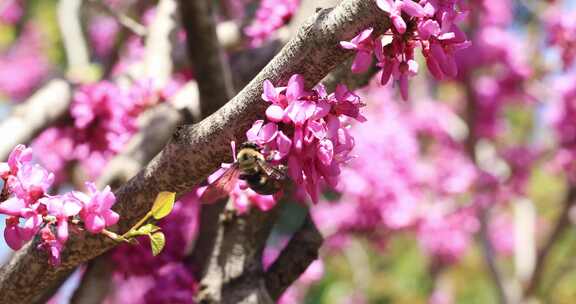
x: 275, y: 172
x: 222, y: 186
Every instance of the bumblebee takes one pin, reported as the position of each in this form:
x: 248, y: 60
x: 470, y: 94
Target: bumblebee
x: 251, y: 166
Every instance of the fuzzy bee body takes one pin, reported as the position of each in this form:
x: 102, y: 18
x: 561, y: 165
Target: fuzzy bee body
x: 252, y: 167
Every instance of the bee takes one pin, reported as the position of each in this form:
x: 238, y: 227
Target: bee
x: 252, y: 167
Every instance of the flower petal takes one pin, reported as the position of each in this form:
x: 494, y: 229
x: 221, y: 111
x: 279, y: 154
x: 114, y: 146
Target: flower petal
x: 275, y: 113
x: 94, y: 223
x: 361, y: 62
x: 12, y: 206
x: 269, y: 93
x: 295, y: 88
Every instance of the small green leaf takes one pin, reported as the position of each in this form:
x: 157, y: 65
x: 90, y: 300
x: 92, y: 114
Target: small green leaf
x: 157, y: 242
x: 148, y: 228
x: 144, y: 230
x: 163, y: 204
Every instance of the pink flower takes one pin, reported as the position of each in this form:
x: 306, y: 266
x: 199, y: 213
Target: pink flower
x: 52, y: 245
x: 363, y: 45
x: 16, y: 236
x: 320, y: 142
x: 31, y: 182
x: 62, y: 207
x: 244, y: 198
x: 96, y: 212
x: 395, y: 9
x: 24, y: 65
x: 26, y: 180
x: 20, y: 155
x: 270, y: 16
x: 447, y: 236
x: 11, y: 11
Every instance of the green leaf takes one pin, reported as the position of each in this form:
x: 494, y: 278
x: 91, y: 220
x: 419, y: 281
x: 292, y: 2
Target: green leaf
x: 157, y: 242
x: 144, y: 230
x: 163, y: 204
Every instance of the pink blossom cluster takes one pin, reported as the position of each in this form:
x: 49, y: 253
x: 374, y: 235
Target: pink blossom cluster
x: 416, y: 179
x: 31, y: 210
x: 562, y: 119
x: 171, y: 283
x: 308, y: 131
x: 446, y: 236
x: 104, y: 117
x: 270, y: 16
x: 164, y: 278
x: 11, y: 11
x: 505, y: 69
x: 561, y: 28
x: 430, y: 25
x: 24, y: 65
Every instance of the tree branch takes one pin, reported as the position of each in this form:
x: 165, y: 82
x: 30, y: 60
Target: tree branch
x: 210, y: 67
x: 75, y: 46
x: 95, y: 282
x: 159, y: 43
x: 484, y: 211
x: 125, y: 21
x: 196, y: 151
x: 234, y: 271
x: 44, y: 108
x: 301, y: 251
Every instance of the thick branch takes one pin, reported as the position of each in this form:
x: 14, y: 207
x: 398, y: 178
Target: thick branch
x: 210, y: 67
x: 300, y: 252
x: 196, y: 151
x: 77, y: 54
x: 43, y: 109
x: 159, y: 43
x: 234, y: 266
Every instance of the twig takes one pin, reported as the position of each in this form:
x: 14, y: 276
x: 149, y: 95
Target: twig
x: 562, y: 224
x: 132, y: 25
x: 484, y: 211
x: 490, y: 257
x: 41, y: 110
x: 196, y: 151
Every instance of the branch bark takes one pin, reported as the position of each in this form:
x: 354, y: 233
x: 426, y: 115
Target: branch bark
x: 195, y: 151
x: 44, y: 108
x: 301, y: 251
x: 77, y: 54
x: 210, y: 66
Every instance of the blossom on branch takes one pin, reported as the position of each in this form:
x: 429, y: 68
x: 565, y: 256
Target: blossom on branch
x: 430, y: 25
x: 30, y: 209
x: 308, y: 131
